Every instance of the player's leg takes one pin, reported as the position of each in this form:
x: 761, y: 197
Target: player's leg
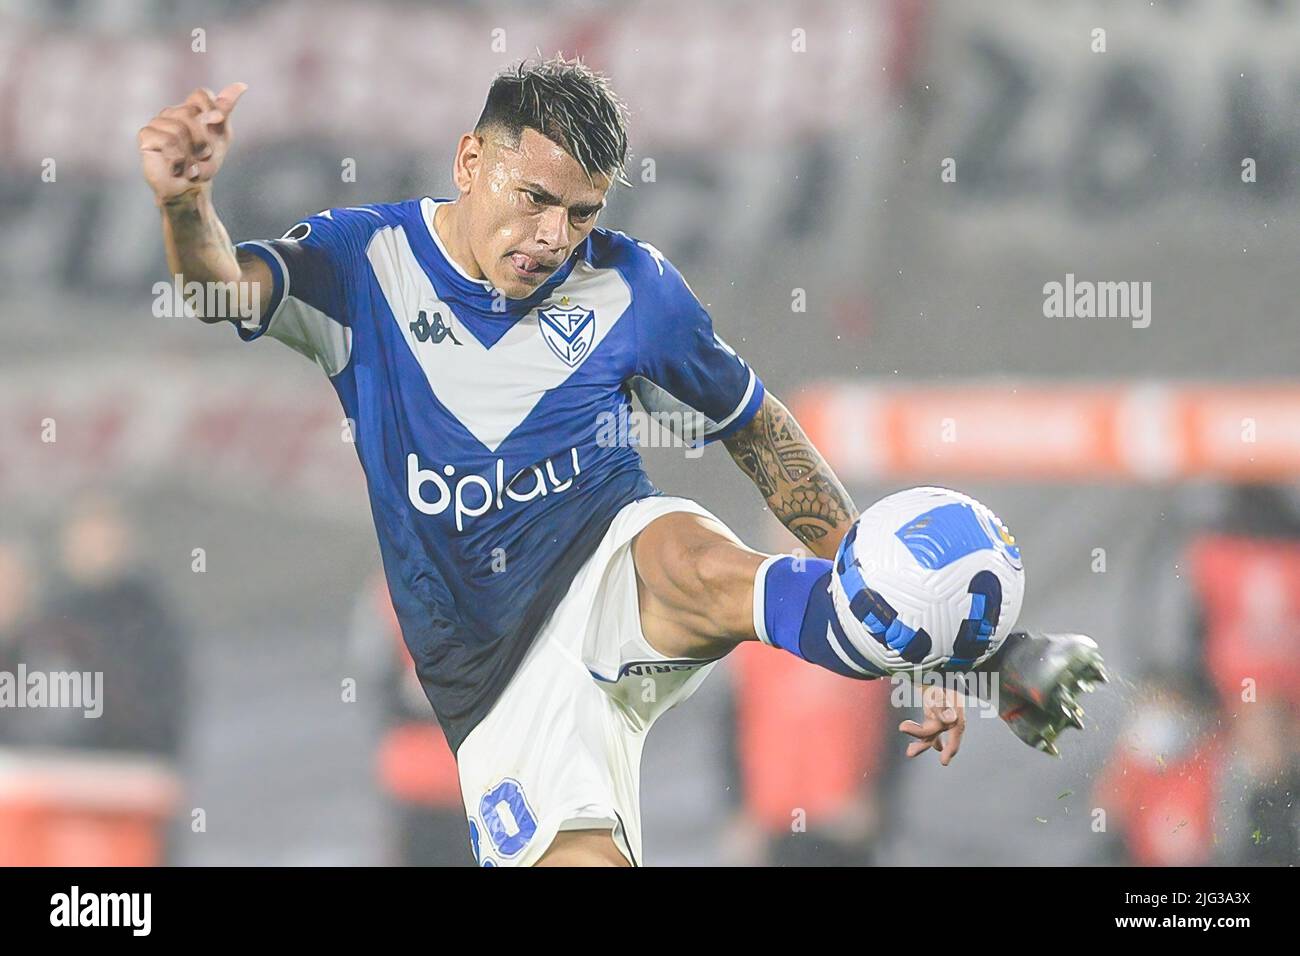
x: 702, y: 592
x: 583, y: 848
x: 695, y: 586
x: 550, y: 775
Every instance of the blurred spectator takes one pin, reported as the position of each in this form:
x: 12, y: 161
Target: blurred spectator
x: 107, y: 615
x: 416, y: 768
x: 1208, y: 771
x: 97, y: 790
x: 17, y: 591
x: 1160, y: 786
x: 18, y: 614
x: 1262, y: 820
x: 1246, y: 572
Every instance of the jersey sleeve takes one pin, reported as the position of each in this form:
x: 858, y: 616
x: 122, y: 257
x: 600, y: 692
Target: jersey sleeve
x: 684, y: 368
x: 316, y: 268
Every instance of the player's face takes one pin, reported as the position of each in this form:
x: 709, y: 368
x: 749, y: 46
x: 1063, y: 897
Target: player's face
x: 529, y: 207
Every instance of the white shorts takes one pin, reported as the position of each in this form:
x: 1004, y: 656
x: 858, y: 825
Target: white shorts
x: 561, y: 748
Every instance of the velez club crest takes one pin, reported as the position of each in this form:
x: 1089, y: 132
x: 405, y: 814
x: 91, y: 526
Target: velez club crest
x: 568, y: 330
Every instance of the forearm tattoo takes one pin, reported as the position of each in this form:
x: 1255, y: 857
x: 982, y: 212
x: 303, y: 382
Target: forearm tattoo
x: 799, y: 486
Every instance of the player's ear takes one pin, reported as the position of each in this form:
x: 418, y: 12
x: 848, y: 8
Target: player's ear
x: 469, y: 159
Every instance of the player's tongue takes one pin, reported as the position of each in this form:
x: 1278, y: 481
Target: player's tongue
x: 526, y: 263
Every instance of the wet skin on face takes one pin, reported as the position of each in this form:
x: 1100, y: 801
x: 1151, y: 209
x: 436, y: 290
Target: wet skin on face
x: 523, y: 209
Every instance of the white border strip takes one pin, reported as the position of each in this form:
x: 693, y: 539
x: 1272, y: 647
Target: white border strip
x: 760, y: 582
x: 749, y: 393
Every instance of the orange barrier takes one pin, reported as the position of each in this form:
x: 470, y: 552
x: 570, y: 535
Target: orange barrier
x: 1249, y: 598
x: 417, y: 766
x: 1048, y: 432
x: 807, y: 738
x: 70, y: 808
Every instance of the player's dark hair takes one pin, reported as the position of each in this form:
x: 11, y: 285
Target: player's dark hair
x: 566, y: 102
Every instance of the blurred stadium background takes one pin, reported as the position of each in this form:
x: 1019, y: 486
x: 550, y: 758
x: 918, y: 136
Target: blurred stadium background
x: 199, y: 532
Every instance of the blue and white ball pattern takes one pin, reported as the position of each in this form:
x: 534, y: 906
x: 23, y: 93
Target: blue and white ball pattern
x: 926, y: 578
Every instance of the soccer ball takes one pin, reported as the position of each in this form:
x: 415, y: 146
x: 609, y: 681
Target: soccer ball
x: 926, y: 578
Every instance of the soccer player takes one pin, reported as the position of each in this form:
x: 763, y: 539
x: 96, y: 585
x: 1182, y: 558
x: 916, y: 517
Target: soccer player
x: 485, y: 348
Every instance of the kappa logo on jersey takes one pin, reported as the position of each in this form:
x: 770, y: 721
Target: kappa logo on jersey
x: 568, y: 331
x: 298, y: 233
x: 435, y: 328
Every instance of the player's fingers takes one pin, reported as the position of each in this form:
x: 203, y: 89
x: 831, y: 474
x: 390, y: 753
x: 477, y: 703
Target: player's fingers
x: 947, y: 716
x: 170, y: 139
x: 202, y: 99
x: 225, y: 101
x: 197, y: 135
x: 180, y: 112
x: 180, y: 118
x: 217, y: 119
x: 153, y: 140
x: 173, y: 126
x: 180, y: 158
x: 200, y: 172
x: 201, y: 139
x: 917, y: 747
x: 954, y: 743
x: 920, y: 731
x: 177, y: 144
x: 196, y: 171
x: 934, y: 723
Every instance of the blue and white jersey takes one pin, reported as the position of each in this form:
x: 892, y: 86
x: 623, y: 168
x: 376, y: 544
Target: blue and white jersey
x: 488, y: 427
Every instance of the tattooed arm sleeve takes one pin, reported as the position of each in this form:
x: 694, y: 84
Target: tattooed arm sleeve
x: 799, y: 486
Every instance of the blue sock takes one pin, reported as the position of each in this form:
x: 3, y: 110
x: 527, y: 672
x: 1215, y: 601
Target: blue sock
x: 793, y: 610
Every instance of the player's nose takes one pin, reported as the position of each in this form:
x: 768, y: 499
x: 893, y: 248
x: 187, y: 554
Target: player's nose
x: 553, y: 227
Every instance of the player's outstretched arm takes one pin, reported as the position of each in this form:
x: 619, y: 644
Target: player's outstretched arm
x: 181, y: 151
x: 798, y: 484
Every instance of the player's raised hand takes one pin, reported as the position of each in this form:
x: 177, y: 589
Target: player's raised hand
x: 944, y: 712
x: 182, y: 147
